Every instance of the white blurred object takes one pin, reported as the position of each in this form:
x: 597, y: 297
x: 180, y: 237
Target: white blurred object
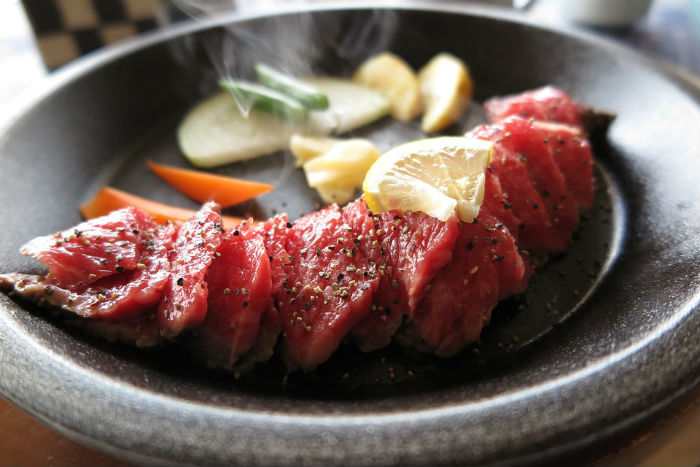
x: 606, y: 13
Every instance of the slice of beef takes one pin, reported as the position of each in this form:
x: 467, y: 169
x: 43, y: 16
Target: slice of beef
x: 328, y: 290
x: 239, y: 285
x: 39, y: 290
x: 140, y: 331
x: 376, y: 329
x: 121, y: 296
x: 514, y: 270
x: 572, y: 153
x: 417, y: 246
x: 461, y: 297
x: 93, y: 249
x: 548, y: 104
x: 530, y: 144
x: 535, y: 228
x: 498, y: 204
x: 273, y: 233
x: 409, y: 249
x: 184, y: 304
x: 274, y: 236
x: 264, y: 346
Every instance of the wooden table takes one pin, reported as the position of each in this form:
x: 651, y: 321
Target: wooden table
x: 25, y: 441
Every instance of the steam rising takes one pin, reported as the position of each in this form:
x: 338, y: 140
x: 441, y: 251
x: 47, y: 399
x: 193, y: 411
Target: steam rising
x: 299, y: 43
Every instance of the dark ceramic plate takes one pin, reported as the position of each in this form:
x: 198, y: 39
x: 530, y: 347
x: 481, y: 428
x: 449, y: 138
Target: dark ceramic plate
x: 604, y: 342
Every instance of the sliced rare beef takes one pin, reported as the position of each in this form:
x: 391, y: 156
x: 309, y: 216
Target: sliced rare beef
x: 517, y: 136
x: 140, y: 331
x: 239, y: 293
x: 184, y: 303
x: 328, y: 289
x: 514, y: 270
x: 462, y: 295
x: 273, y: 233
x: 486, y: 267
x: 518, y: 191
x: 274, y: 236
x: 333, y: 273
x: 375, y: 330
x: 94, y: 249
x: 239, y: 331
x: 410, y: 249
x: 572, y: 153
x: 417, y: 246
x: 498, y: 204
x: 123, y: 295
x: 547, y: 104
x: 264, y: 346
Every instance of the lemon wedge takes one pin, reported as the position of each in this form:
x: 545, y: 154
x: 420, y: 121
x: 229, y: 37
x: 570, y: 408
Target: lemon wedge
x: 394, y: 79
x: 437, y: 176
x: 446, y: 88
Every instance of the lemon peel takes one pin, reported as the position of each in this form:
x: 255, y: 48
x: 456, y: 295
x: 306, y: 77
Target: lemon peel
x: 438, y: 176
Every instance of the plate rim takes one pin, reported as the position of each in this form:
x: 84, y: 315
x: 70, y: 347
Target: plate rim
x: 686, y: 81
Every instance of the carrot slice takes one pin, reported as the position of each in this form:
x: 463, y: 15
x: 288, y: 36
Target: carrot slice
x: 109, y: 199
x: 203, y: 187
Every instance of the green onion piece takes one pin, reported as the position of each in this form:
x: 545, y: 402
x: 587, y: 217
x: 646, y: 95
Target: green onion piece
x: 267, y: 99
x: 308, y: 95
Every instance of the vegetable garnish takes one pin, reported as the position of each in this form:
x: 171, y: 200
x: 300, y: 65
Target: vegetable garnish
x: 109, y: 199
x: 446, y: 88
x: 352, y: 105
x: 215, y: 132
x: 393, y: 78
x: 304, y: 148
x: 203, y: 187
x: 335, y: 167
x: 265, y: 98
x: 309, y: 96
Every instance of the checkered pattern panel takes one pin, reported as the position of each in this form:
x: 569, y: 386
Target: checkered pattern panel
x: 67, y: 29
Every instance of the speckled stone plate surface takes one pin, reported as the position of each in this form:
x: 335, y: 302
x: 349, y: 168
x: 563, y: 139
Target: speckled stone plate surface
x: 603, y: 344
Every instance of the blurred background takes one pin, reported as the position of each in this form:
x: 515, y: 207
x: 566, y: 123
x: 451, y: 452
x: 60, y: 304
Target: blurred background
x: 38, y: 37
